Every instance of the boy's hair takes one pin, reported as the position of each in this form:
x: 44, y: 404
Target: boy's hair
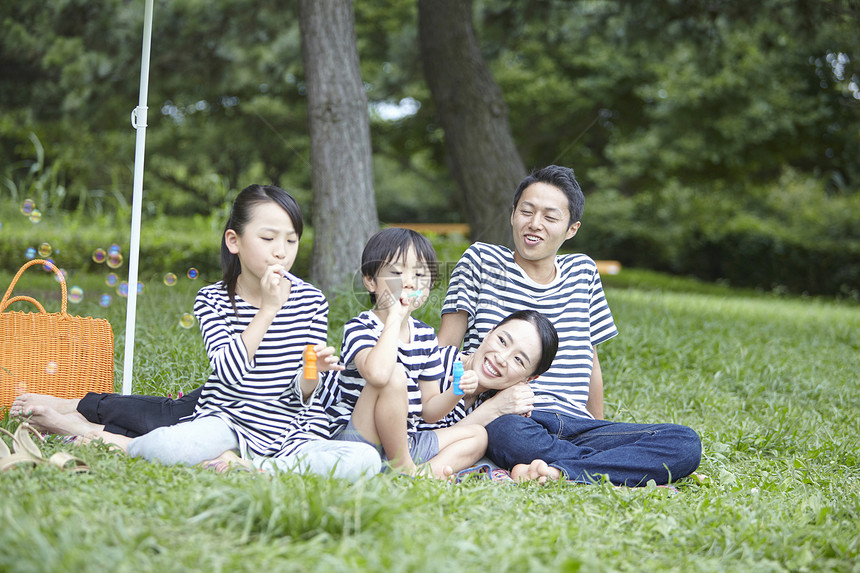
x: 547, y: 333
x: 392, y: 243
x: 240, y: 214
x: 561, y: 178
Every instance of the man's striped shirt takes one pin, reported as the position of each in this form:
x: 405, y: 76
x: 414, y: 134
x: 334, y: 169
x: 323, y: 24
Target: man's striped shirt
x: 489, y: 285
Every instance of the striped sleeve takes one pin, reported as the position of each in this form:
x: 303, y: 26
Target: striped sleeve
x: 227, y: 354
x: 465, y: 284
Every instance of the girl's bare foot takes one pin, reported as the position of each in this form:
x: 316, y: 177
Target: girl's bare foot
x: 227, y: 461
x: 538, y: 471
x: 50, y: 421
x: 23, y: 403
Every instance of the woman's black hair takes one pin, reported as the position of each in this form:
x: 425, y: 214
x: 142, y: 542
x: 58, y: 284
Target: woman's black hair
x: 546, y: 331
x: 240, y: 214
x: 389, y: 245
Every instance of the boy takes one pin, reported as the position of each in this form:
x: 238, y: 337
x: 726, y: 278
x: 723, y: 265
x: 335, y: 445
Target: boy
x: 394, y: 367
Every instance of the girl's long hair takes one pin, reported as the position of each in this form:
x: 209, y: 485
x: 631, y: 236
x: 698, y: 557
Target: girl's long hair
x: 240, y: 214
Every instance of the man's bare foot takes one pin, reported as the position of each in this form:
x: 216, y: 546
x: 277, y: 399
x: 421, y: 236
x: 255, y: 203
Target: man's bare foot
x: 49, y: 421
x: 538, y: 471
x: 23, y: 403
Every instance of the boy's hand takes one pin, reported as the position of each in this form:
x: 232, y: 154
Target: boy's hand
x: 468, y: 382
x: 326, y: 359
x: 397, y: 308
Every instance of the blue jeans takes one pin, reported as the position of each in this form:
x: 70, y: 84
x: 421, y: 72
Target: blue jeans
x: 585, y: 449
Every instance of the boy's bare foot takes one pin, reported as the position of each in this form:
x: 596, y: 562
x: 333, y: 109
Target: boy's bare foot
x: 50, y: 421
x: 538, y: 471
x: 23, y: 403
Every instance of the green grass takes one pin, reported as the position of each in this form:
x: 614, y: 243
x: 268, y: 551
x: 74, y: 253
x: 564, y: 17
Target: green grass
x: 771, y: 384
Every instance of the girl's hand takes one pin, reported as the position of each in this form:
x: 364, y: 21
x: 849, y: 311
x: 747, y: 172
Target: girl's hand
x: 273, y: 290
x: 326, y: 359
x: 518, y: 399
x: 468, y: 382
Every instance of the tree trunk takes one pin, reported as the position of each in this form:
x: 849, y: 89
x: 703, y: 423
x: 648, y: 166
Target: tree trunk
x: 480, y: 150
x: 344, y: 207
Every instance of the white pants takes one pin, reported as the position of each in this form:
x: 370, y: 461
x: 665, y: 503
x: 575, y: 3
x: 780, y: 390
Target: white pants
x: 201, y: 439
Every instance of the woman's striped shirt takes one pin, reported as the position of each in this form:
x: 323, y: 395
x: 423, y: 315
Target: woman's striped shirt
x: 259, y: 396
x: 489, y: 285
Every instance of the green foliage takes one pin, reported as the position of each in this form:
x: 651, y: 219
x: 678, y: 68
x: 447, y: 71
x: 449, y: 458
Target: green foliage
x: 682, y: 119
x: 789, y: 236
x: 769, y: 383
x: 167, y: 244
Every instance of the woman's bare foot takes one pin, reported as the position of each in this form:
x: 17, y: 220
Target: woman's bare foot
x: 538, y: 471
x: 23, y: 403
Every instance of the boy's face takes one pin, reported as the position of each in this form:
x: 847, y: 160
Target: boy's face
x: 400, y: 278
x: 540, y: 222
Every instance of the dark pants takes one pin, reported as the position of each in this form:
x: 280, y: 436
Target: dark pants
x: 132, y: 415
x: 585, y: 449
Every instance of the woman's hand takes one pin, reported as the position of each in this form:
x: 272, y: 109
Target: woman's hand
x: 518, y: 399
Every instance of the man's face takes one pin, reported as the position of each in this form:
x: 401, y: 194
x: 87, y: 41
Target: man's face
x: 540, y: 222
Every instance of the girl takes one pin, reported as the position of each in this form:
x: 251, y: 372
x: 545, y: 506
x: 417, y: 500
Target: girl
x: 256, y: 323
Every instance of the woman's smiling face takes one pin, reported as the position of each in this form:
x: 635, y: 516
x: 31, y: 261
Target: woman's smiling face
x: 508, y: 355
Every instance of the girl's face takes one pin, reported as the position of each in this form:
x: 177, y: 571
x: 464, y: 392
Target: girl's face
x: 269, y: 238
x: 507, y: 356
x: 405, y: 276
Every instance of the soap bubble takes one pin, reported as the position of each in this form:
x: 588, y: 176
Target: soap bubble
x: 76, y: 294
x: 187, y: 320
x: 114, y: 260
x: 111, y: 280
x: 51, y: 367
x: 45, y: 250
x: 170, y: 279
x: 105, y: 300
x: 192, y: 273
x: 99, y: 255
x: 59, y: 279
x: 122, y: 289
x: 48, y: 266
x: 113, y: 249
x: 35, y: 216
x: 139, y: 288
x: 28, y: 206
x: 30, y: 254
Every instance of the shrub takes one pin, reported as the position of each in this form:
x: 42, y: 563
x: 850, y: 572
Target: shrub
x: 790, y: 236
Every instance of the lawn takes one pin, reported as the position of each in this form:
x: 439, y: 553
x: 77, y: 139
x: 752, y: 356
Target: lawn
x: 771, y: 384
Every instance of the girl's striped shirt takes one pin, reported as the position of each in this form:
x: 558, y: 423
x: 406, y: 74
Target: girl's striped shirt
x: 259, y: 396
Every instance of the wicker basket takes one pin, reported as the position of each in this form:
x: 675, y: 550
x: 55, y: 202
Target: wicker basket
x: 52, y: 353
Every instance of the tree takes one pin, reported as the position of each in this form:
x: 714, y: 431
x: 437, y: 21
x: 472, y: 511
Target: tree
x: 344, y: 209
x: 481, y: 153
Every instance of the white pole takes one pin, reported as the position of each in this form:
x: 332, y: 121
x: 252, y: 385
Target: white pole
x: 138, y: 121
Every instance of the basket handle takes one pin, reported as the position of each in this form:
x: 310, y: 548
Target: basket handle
x: 6, y: 297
